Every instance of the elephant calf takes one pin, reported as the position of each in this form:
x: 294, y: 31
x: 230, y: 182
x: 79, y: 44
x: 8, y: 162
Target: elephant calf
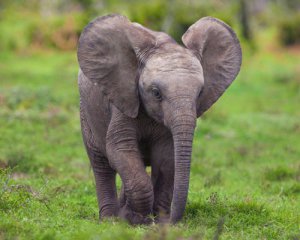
x: 140, y: 96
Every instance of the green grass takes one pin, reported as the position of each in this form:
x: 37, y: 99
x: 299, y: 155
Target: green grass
x: 245, y: 177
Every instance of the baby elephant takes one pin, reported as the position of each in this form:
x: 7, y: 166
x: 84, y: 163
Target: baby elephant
x: 140, y: 96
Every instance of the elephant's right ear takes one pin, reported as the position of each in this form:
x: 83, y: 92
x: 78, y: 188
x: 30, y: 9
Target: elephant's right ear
x: 107, y: 55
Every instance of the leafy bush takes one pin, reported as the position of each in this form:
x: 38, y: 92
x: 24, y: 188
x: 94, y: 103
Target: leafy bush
x: 289, y: 30
x: 25, y: 27
x: 61, y: 32
x: 24, y: 30
x: 16, y: 30
x: 175, y: 17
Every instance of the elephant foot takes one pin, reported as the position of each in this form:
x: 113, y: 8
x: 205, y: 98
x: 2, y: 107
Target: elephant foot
x: 162, y: 219
x: 134, y: 218
x: 162, y: 216
x: 108, y: 210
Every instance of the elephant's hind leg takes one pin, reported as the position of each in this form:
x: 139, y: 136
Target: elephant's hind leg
x: 105, y: 185
x: 104, y: 175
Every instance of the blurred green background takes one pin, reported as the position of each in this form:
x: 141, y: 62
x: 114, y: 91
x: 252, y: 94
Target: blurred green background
x: 41, y: 24
x: 245, y: 177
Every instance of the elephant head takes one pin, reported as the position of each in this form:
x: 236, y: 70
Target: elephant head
x: 139, y: 68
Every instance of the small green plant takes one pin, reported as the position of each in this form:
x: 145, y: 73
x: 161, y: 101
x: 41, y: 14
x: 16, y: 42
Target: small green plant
x: 21, y: 98
x: 12, y: 196
x: 279, y: 173
x: 21, y: 160
x: 213, y: 180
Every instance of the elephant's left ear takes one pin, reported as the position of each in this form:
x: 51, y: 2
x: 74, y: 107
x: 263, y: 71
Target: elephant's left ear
x: 218, y: 49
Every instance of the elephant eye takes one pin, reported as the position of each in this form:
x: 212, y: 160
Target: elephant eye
x: 156, y: 93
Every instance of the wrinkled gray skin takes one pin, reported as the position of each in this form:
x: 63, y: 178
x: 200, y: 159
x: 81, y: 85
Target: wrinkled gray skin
x: 141, y: 94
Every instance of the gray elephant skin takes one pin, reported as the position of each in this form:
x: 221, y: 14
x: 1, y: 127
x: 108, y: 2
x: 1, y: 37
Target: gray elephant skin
x: 140, y: 96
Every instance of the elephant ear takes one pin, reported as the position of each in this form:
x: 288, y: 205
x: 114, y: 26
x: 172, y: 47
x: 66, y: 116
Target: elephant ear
x: 218, y: 49
x: 108, y: 53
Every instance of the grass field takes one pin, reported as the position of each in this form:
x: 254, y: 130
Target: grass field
x: 245, y: 178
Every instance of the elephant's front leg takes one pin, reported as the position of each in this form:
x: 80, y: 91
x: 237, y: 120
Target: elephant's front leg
x: 125, y: 158
x: 162, y: 162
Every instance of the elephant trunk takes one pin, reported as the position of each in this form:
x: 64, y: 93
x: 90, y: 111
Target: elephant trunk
x: 183, y: 131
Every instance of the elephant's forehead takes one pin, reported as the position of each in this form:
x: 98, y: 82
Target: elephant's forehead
x: 178, y: 62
